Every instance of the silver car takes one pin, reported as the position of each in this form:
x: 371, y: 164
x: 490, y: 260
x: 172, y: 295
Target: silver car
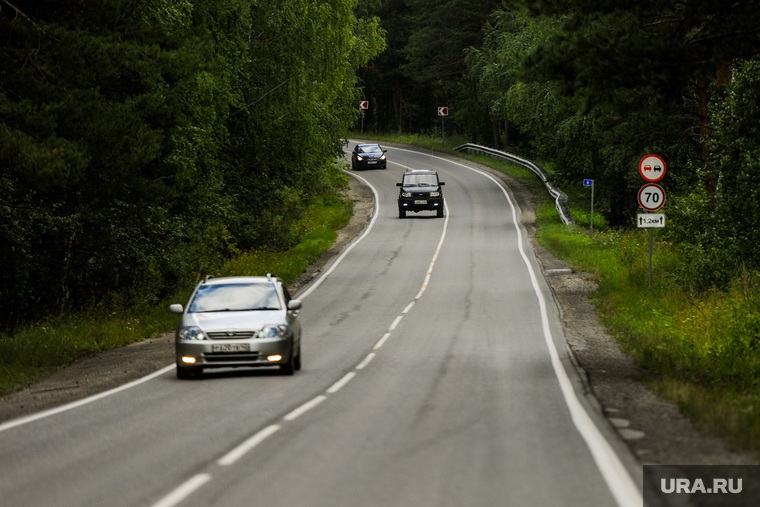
x: 238, y: 321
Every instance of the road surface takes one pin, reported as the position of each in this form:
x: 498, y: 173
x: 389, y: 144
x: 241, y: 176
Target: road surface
x: 435, y: 374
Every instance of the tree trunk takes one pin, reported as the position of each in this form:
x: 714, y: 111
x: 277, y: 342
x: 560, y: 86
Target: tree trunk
x: 495, y: 126
x: 704, y: 134
x: 506, y: 134
x: 397, y: 104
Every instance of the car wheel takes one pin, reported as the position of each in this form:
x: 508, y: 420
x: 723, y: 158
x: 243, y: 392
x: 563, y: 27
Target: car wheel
x: 401, y: 213
x: 439, y: 212
x: 290, y: 367
x: 297, y: 360
x: 188, y: 373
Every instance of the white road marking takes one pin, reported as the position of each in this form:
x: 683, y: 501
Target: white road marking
x: 366, y: 361
x: 182, y: 492
x: 85, y: 401
x: 324, y: 276
x: 613, y: 471
x: 336, y: 386
x: 381, y: 341
x: 395, y: 322
x: 305, y: 408
x: 238, y: 452
x: 408, y: 307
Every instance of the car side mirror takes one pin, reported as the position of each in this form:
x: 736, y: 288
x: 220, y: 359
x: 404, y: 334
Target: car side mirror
x: 176, y: 309
x: 385, y: 151
x: 294, y: 304
x: 441, y: 183
x: 399, y: 184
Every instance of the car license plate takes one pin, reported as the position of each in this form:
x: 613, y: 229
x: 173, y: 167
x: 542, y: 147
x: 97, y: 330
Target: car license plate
x: 420, y: 202
x: 230, y: 347
x: 372, y: 161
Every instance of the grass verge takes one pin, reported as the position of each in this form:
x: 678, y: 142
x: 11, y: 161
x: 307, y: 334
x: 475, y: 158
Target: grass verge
x: 35, y: 351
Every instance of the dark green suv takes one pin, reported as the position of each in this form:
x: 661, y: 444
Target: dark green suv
x: 420, y: 191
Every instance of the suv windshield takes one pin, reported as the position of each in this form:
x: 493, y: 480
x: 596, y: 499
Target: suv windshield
x: 420, y: 180
x: 235, y: 297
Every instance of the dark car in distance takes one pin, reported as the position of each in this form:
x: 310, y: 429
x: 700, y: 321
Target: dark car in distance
x: 368, y: 156
x: 420, y: 191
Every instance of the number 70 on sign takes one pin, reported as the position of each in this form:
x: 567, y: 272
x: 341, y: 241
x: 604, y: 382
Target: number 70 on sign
x: 651, y: 197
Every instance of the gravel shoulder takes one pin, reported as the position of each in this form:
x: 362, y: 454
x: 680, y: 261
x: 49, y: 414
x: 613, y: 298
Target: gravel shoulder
x: 653, y: 428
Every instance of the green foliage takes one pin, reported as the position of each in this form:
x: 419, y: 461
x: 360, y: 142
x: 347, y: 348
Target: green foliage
x: 144, y: 139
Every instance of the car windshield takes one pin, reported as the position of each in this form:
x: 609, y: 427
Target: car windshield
x: 370, y: 149
x: 420, y: 180
x: 235, y: 297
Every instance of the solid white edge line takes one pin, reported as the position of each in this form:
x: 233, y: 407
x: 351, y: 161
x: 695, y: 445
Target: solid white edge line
x: 183, y: 491
x: 381, y: 341
x: 324, y: 276
x: 74, y: 404
x: 618, y: 480
x: 239, y: 451
x: 337, y: 386
x: 366, y: 360
x: 305, y: 408
x: 395, y: 323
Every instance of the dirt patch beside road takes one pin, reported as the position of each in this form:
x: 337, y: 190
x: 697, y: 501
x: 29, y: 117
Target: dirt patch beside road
x: 653, y: 428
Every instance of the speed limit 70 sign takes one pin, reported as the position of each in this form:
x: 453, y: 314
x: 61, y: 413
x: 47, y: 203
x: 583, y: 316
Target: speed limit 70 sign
x: 651, y: 197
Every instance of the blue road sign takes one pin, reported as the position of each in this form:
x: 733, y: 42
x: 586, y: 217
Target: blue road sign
x: 588, y: 183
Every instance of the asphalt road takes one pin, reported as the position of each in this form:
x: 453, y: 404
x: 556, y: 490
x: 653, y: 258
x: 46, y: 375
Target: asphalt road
x: 435, y: 374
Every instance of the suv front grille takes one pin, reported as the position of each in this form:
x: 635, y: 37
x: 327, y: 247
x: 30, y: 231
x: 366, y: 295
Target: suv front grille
x: 231, y: 335
x: 420, y: 194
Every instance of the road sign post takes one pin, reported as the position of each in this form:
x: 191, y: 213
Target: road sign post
x: 651, y: 198
x: 363, y: 105
x: 443, y: 112
x: 590, y: 183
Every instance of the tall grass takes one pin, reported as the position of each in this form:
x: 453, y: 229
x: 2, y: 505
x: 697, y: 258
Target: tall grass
x: 36, y: 350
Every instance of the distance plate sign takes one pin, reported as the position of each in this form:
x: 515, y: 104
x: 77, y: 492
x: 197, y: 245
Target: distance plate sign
x: 652, y: 168
x: 651, y: 197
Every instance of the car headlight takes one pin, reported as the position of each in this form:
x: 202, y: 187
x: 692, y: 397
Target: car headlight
x: 192, y: 333
x: 406, y: 194
x: 382, y: 158
x: 435, y: 194
x: 273, y: 331
x: 359, y: 158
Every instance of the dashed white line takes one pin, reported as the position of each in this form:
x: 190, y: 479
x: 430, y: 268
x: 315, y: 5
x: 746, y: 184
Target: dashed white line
x: 382, y: 340
x: 395, y: 322
x: 238, y: 452
x: 366, y: 361
x: 183, y: 491
x: 305, y: 408
x: 336, y: 386
x: 408, y: 307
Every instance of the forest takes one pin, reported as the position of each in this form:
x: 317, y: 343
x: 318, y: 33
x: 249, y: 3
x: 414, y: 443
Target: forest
x: 588, y: 88
x: 142, y: 141
x: 145, y: 141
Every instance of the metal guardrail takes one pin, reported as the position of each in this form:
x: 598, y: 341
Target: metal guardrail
x: 560, y: 199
